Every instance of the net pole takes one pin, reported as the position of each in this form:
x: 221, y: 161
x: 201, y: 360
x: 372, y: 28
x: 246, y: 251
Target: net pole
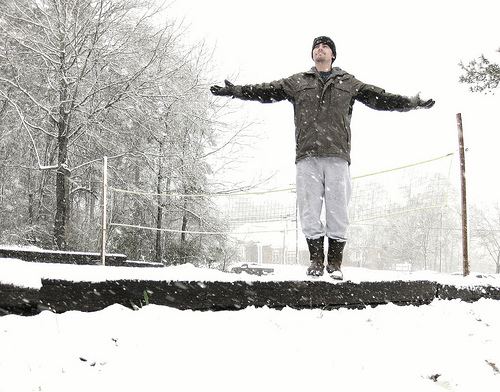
x: 104, y: 208
x: 297, y: 259
x: 465, y: 246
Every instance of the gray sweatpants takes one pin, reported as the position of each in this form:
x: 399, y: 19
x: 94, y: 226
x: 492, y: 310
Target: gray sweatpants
x: 325, y: 180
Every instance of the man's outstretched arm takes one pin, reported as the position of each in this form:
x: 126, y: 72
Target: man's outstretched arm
x: 265, y: 92
x: 378, y: 99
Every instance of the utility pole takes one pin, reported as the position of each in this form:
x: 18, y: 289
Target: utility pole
x: 461, y: 148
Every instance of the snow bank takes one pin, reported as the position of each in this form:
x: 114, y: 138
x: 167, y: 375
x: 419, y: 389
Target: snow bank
x: 30, y: 275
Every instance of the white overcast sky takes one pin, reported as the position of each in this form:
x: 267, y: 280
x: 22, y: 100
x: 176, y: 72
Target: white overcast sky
x: 403, y: 47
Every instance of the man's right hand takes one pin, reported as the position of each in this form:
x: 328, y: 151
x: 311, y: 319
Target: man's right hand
x: 228, y: 89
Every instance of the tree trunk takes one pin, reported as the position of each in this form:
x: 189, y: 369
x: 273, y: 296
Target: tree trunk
x: 183, y: 229
x: 62, y: 195
x: 183, y: 233
x: 159, y: 218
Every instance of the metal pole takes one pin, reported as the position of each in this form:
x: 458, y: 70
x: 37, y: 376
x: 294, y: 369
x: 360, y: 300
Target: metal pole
x: 104, y: 208
x: 465, y: 246
x: 284, y: 242
x: 297, y: 259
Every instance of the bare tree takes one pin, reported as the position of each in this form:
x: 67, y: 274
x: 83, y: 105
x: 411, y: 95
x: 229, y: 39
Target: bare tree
x: 66, y: 66
x: 481, y: 74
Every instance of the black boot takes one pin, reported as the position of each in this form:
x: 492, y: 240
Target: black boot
x: 334, y: 256
x: 317, y: 254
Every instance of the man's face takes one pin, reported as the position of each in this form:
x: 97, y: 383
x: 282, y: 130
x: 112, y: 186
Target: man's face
x: 322, y: 53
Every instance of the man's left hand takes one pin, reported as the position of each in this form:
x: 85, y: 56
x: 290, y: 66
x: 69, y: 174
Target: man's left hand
x: 418, y: 103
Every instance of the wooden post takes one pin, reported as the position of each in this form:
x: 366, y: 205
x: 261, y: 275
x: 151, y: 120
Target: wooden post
x: 104, y: 207
x: 465, y: 246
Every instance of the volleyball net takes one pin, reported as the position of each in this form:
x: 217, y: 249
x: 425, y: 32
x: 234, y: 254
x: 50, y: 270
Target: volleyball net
x: 418, y: 186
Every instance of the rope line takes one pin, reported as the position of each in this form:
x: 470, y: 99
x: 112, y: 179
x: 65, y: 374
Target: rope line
x: 404, y: 167
x: 199, y: 195
x: 200, y: 232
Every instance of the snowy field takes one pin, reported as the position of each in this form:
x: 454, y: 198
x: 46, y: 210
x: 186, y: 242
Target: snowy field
x: 444, y: 346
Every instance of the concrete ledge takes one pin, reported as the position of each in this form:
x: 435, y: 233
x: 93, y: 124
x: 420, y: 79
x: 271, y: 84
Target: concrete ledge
x: 80, y: 258
x: 61, y: 295
x: 18, y: 300
x: 53, y: 256
x: 468, y: 294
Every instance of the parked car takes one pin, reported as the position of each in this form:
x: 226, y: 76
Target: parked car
x: 253, y: 269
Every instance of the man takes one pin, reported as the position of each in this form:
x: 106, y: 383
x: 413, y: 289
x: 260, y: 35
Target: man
x: 323, y: 99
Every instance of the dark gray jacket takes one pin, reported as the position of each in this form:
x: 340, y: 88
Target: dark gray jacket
x: 323, y: 109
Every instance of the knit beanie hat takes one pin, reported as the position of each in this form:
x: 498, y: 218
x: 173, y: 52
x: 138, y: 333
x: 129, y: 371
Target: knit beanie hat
x: 326, y: 41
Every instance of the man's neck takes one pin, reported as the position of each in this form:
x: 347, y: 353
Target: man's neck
x: 323, y: 66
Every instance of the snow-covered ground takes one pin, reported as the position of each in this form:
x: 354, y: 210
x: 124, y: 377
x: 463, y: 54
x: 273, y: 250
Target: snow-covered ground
x: 447, y: 345
x: 25, y: 274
